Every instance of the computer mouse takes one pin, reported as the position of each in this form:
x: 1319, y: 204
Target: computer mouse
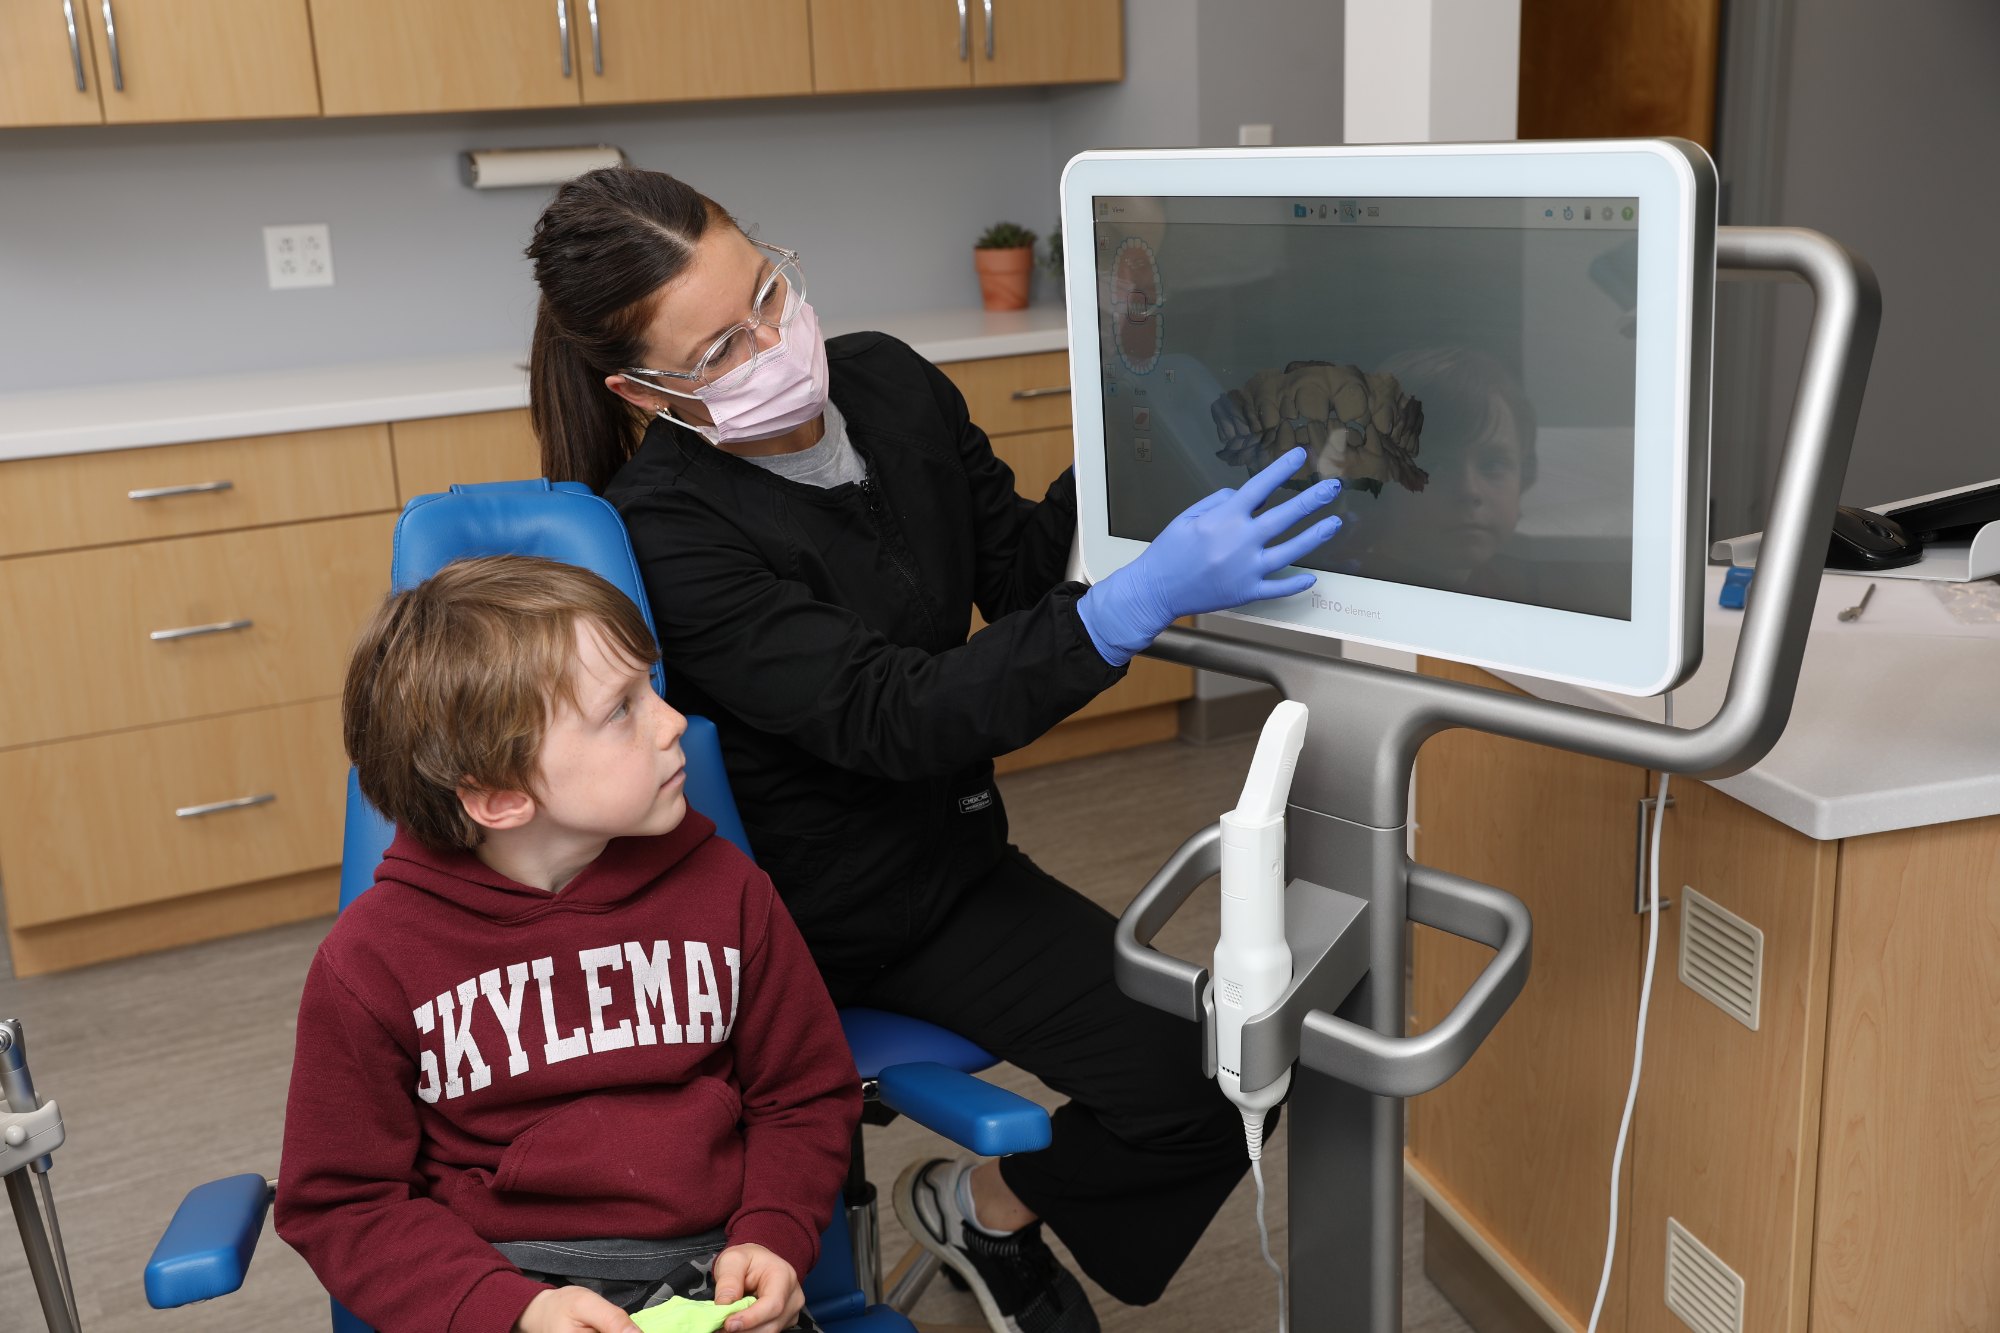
x: 1863, y: 539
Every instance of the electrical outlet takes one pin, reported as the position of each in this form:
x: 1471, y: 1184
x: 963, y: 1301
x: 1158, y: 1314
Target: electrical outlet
x: 299, y: 256
x: 1253, y: 136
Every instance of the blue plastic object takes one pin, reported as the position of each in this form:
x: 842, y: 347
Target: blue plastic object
x: 1735, y: 588
x: 879, y: 1039
x: 206, y: 1250
x: 989, y: 1120
x: 1214, y: 556
x: 829, y: 1285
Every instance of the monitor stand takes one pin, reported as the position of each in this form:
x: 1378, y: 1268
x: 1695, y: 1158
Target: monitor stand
x: 1354, y: 886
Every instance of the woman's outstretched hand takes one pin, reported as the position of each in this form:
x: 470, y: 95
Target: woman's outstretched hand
x: 1216, y: 555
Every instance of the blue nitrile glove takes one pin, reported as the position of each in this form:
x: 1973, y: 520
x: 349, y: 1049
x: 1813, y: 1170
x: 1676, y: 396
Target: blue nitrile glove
x: 1214, y: 556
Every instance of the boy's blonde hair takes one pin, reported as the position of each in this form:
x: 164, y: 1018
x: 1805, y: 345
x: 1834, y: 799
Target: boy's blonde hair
x: 454, y: 681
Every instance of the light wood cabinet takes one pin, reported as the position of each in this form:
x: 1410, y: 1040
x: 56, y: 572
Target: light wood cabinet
x: 1726, y: 1132
x: 186, y: 628
x: 1047, y: 41
x: 437, y: 453
x: 47, y: 72
x: 1521, y: 1138
x: 118, y: 821
x: 177, y: 490
x: 1838, y: 1157
x: 187, y: 60
x: 180, y: 60
x: 684, y: 50
x: 885, y: 45
x: 888, y: 45
x: 379, y: 57
x: 266, y: 553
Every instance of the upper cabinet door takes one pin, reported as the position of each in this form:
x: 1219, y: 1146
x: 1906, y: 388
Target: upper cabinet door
x: 387, y: 56
x: 678, y: 50
x: 861, y: 46
x: 46, y: 76
x: 1047, y: 41
x: 164, y: 60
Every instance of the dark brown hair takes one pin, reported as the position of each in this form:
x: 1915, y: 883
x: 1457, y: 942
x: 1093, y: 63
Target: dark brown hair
x: 453, y: 683
x: 602, y: 250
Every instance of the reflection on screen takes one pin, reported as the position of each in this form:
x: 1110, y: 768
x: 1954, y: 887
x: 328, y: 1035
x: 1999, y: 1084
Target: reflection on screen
x: 1465, y: 366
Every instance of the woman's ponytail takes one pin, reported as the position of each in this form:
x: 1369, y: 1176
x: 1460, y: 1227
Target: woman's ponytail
x: 586, y: 431
x: 602, y: 250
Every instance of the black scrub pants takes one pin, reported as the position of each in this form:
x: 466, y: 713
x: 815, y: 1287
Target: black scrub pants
x: 1146, y: 1149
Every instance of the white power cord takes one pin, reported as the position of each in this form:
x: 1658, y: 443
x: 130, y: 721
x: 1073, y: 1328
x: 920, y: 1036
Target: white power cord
x: 1639, y: 1041
x: 1253, y: 1137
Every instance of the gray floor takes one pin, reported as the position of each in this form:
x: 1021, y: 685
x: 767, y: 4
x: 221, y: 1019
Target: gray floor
x: 171, y: 1070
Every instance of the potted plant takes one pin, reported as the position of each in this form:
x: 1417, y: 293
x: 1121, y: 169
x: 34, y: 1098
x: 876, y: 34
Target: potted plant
x: 1005, y: 258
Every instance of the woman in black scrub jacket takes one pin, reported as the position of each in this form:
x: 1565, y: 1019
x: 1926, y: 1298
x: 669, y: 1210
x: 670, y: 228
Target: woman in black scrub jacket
x: 815, y: 522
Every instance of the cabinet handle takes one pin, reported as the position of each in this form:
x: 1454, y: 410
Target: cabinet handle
x: 989, y: 29
x: 196, y: 631
x: 192, y: 488
x: 217, y: 807
x: 1054, y: 390
x: 596, y: 41
x: 1646, y: 804
x: 75, y: 47
x: 562, y: 31
x: 111, y: 32
x: 964, y: 32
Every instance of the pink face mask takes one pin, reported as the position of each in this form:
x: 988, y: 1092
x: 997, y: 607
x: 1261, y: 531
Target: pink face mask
x: 782, y: 392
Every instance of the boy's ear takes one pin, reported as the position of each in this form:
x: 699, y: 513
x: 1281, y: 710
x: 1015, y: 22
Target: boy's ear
x: 497, y: 809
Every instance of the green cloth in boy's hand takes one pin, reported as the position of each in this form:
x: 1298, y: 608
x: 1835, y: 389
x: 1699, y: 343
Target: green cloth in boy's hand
x: 681, y: 1315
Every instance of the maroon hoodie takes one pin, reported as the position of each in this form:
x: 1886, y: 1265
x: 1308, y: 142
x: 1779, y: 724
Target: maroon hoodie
x: 649, y: 1053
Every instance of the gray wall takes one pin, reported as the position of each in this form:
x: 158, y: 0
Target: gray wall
x: 137, y: 253
x: 1197, y: 69
x: 1885, y: 127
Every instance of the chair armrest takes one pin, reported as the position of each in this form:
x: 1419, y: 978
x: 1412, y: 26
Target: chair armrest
x: 971, y: 1112
x: 206, y: 1250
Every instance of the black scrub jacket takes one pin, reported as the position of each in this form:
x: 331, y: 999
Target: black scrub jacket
x: 824, y: 632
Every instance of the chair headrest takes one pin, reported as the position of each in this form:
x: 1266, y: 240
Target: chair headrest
x: 560, y: 520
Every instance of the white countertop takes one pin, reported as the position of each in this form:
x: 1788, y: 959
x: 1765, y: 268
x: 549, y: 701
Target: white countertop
x: 1896, y: 723
x: 135, y: 415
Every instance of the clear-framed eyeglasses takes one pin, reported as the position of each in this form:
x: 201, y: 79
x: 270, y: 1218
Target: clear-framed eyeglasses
x: 732, y: 356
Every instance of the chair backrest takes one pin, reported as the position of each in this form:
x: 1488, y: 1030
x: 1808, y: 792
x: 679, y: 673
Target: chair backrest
x: 559, y: 521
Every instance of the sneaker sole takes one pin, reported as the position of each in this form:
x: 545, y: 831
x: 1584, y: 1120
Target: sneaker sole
x: 904, y: 1201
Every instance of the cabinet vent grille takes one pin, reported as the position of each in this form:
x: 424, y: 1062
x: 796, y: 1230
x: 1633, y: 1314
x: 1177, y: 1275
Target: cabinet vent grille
x: 1722, y: 957
x: 1705, y: 1292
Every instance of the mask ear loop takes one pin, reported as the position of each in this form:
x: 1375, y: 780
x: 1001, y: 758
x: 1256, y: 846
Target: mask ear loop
x: 667, y: 413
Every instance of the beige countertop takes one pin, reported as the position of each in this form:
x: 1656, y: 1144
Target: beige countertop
x: 136, y: 415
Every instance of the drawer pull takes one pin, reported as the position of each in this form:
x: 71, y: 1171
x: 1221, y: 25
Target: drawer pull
x: 1052, y: 391
x: 193, y: 488
x: 196, y: 631
x: 217, y: 807
x: 75, y: 46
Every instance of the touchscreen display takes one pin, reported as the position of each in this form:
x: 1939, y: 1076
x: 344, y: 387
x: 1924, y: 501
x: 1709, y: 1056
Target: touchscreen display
x: 1464, y: 366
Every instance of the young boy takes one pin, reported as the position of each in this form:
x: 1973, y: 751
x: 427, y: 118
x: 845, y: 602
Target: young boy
x: 569, y: 1056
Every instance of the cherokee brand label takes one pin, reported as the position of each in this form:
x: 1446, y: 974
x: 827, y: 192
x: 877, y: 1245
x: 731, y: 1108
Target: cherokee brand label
x: 973, y: 804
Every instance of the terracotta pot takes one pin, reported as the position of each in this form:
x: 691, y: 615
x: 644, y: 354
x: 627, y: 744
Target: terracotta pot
x: 1003, y: 276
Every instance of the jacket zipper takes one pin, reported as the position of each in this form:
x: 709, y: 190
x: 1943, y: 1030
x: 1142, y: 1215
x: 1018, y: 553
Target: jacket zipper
x: 892, y: 546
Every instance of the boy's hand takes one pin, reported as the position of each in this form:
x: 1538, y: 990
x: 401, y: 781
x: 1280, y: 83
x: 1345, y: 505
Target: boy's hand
x: 752, y: 1270
x: 574, y: 1310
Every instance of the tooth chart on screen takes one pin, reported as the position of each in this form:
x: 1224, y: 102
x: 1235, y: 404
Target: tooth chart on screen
x: 1356, y: 425
x: 1137, y: 320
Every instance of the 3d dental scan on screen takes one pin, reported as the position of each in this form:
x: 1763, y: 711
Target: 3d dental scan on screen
x: 1498, y: 353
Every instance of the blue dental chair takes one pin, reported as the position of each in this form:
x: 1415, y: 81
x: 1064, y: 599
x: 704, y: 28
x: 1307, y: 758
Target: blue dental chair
x: 906, y: 1066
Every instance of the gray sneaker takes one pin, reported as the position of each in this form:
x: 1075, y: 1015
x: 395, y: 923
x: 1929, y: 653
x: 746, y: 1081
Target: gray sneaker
x: 1020, y: 1285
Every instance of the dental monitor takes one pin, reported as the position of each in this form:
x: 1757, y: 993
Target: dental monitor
x: 1502, y: 350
